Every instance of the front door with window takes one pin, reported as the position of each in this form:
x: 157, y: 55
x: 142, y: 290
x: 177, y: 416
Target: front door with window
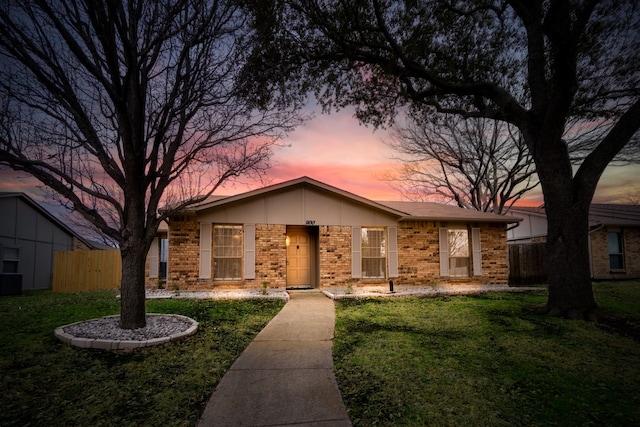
x: 298, y: 258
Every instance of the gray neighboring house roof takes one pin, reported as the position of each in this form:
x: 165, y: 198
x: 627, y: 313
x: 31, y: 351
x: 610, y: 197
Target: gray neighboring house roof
x: 599, y: 214
x: 614, y: 215
x: 35, y: 205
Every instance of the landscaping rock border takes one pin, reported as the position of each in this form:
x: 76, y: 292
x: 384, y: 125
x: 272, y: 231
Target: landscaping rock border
x: 161, y: 328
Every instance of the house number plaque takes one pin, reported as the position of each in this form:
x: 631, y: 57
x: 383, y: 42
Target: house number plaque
x: 311, y: 222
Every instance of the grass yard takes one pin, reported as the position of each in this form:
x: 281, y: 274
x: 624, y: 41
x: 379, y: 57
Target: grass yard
x: 487, y: 360
x: 45, y: 382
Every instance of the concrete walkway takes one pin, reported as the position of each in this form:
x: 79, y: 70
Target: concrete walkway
x: 285, y: 376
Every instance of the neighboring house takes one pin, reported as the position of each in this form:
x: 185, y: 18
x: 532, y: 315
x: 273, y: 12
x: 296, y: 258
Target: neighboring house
x: 29, y: 235
x: 307, y: 234
x: 614, y: 243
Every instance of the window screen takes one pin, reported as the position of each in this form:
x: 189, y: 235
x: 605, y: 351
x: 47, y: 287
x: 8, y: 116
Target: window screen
x: 616, y: 253
x: 458, y: 242
x: 374, y: 253
x: 227, y: 252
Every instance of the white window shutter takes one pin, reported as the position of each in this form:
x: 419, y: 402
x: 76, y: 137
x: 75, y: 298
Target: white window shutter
x: 477, y: 252
x: 154, y: 259
x: 205, y: 251
x: 444, y: 252
x: 356, y: 252
x: 249, y: 251
x: 393, y: 251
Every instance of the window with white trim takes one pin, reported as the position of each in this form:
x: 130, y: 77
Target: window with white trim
x: 458, y: 243
x: 227, y: 252
x: 374, y: 253
x: 616, y: 250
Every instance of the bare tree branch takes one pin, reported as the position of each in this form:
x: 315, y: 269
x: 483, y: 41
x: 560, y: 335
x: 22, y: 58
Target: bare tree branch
x: 477, y: 163
x: 124, y: 106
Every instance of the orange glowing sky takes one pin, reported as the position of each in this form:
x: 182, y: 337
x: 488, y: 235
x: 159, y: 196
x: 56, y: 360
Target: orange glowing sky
x: 338, y: 151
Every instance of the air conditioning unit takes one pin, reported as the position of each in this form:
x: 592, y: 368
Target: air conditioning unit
x: 10, y: 284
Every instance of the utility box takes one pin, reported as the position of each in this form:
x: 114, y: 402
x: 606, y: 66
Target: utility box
x: 10, y: 284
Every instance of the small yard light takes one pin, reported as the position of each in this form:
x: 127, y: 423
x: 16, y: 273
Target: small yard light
x: 391, y: 286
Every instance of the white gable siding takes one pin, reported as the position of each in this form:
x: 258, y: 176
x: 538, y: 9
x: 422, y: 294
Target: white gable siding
x: 298, y: 206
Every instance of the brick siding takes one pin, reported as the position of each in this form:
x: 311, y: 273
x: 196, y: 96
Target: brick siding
x: 183, y: 268
x: 495, y: 254
x: 335, y: 255
x: 271, y: 255
x: 418, y: 256
x: 600, y: 254
x: 418, y: 252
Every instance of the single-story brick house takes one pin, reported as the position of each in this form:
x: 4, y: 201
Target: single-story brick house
x: 614, y: 237
x: 306, y: 234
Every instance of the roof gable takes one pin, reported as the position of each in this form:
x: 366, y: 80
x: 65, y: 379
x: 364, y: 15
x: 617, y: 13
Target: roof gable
x: 35, y: 205
x: 304, y: 181
x: 399, y: 210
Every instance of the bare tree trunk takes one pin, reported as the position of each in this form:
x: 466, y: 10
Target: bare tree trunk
x: 569, y: 276
x: 567, y: 204
x: 133, y: 250
x: 132, y: 292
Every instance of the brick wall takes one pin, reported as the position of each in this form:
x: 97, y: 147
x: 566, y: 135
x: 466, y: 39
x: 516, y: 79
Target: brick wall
x: 184, y: 252
x: 419, y: 254
x: 335, y: 255
x: 184, y: 257
x: 271, y: 256
x: 495, y: 254
x: 600, y: 254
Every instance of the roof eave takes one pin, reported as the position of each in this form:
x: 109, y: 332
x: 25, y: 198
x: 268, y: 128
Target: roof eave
x: 292, y: 183
x: 505, y: 220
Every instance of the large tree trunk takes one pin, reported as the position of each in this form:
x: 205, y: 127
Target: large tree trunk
x: 568, y: 268
x: 132, y: 289
x: 567, y: 200
x: 133, y: 249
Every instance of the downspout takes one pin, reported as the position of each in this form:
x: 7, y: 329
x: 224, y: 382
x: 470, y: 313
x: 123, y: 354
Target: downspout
x: 598, y: 227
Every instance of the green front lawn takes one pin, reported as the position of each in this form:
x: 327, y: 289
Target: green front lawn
x: 45, y: 382
x: 486, y: 360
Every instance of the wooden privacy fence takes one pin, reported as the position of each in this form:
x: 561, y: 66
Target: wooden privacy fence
x: 79, y: 271
x: 527, y: 264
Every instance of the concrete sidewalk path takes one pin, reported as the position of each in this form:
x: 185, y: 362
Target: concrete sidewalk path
x: 285, y: 376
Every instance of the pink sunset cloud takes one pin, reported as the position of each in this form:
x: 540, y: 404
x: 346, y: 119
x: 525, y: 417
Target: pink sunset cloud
x: 337, y: 150
x: 12, y: 181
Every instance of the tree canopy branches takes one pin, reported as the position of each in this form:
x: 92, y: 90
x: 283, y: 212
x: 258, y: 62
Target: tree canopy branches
x: 539, y: 65
x: 120, y: 106
x: 479, y: 164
